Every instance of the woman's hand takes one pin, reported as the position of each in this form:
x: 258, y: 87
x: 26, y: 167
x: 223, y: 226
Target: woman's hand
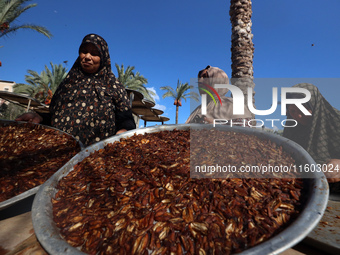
x: 208, y: 120
x: 334, y: 166
x: 30, y: 117
x: 121, y: 131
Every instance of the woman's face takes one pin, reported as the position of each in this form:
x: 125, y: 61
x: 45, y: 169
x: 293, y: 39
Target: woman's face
x: 299, y: 116
x: 89, y: 58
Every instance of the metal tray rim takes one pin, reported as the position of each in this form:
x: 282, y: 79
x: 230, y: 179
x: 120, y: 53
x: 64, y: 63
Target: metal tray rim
x: 294, y: 233
x: 13, y: 200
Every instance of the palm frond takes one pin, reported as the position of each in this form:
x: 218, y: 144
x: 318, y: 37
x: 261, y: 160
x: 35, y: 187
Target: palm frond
x: 13, y: 29
x: 10, y: 10
x: 134, y: 81
x: 22, y: 88
x: 14, y: 8
x: 46, y: 80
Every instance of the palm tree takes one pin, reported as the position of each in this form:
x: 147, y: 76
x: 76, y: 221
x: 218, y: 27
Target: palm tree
x: 44, y: 84
x: 35, y: 83
x: 10, y: 10
x: 179, y: 94
x: 134, y: 81
x: 242, y: 47
x: 56, y: 76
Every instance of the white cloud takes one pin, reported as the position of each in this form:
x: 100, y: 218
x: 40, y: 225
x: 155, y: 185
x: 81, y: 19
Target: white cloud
x: 156, y: 97
x: 160, y: 107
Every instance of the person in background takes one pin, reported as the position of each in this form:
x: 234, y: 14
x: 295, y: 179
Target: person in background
x: 90, y: 103
x: 319, y: 133
x: 211, y: 76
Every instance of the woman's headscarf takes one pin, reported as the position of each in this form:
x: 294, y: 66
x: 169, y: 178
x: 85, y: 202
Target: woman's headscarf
x: 86, y: 105
x: 215, y: 76
x: 218, y: 110
x: 321, y: 138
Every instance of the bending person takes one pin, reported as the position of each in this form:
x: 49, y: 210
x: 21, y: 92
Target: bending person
x: 224, y: 111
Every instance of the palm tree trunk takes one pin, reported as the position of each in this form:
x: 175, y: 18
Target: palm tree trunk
x: 177, y: 114
x: 242, y: 47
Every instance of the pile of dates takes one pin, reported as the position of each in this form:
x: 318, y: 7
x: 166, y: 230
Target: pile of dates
x: 30, y: 154
x: 136, y: 196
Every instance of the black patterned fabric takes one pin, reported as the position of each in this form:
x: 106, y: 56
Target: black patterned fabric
x: 321, y: 138
x: 91, y: 107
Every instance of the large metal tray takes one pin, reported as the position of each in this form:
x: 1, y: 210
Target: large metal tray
x: 317, y: 188
x: 9, y: 202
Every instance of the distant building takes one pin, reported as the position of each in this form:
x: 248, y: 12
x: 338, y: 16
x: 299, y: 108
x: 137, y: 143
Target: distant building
x: 6, y: 86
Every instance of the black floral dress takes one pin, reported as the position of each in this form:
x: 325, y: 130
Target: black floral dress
x: 91, y: 107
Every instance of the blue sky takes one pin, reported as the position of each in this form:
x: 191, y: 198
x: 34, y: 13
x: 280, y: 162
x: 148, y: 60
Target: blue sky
x: 172, y: 40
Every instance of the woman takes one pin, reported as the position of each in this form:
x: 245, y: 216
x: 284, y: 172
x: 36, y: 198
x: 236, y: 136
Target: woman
x: 211, y: 76
x: 90, y: 103
x: 318, y: 134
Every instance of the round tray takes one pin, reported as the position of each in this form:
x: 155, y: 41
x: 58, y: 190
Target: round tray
x: 317, y: 190
x: 21, y: 99
x: 30, y: 192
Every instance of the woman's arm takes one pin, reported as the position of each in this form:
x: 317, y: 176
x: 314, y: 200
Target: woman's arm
x: 124, y: 121
x: 123, y: 112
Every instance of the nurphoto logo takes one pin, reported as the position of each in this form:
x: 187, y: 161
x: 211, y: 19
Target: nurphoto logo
x: 239, y: 101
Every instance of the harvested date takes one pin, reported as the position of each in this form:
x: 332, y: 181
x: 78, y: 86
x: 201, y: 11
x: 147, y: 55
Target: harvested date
x: 219, y: 154
x: 136, y: 196
x: 29, y: 155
